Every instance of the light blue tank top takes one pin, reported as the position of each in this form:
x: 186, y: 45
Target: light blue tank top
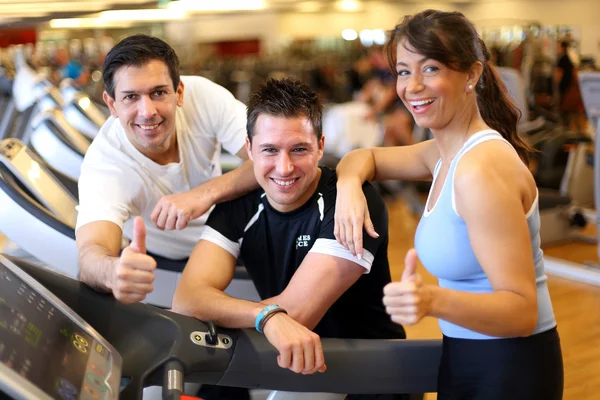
x: 443, y: 245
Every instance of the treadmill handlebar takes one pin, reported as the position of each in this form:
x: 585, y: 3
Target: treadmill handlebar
x: 357, y: 366
x: 149, y: 338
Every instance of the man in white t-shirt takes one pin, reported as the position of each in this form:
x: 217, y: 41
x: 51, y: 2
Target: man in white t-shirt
x: 156, y: 157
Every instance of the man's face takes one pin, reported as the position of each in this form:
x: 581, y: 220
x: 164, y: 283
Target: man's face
x: 145, y: 104
x: 286, y: 155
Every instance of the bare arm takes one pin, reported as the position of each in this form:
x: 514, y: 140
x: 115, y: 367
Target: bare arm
x: 98, y: 244
x: 210, y: 270
x: 414, y: 162
x: 490, y: 198
x: 326, y: 278
x: 200, y: 290
x: 235, y: 183
x: 176, y: 210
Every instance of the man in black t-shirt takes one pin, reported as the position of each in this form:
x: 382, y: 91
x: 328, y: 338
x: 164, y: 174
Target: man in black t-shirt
x: 283, y: 232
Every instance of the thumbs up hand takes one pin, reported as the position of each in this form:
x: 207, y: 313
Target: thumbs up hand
x: 408, y: 301
x: 133, y: 275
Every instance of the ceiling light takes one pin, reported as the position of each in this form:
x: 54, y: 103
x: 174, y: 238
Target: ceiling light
x: 118, y: 18
x: 379, y: 36
x: 348, y: 5
x: 141, y: 15
x: 217, y: 5
x: 60, y: 6
x: 366, y: 37
x: 308, y: 6
x: 349, y: 34
x: 89, y: 23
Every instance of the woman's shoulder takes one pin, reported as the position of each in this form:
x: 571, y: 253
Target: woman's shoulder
x: 495, y: 166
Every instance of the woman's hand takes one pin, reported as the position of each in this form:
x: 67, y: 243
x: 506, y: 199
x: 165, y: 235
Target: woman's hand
x: 351, y: 214
x: 409, y: 300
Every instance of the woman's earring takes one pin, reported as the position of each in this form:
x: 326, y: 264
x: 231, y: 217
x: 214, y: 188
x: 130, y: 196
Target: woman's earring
x: 470, y: 87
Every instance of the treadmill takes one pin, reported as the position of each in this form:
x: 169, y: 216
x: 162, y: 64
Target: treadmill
x: 38, y: 213
x: 60, y: 339
x: 58, y: 143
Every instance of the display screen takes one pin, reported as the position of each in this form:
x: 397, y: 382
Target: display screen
x: 43, y: 345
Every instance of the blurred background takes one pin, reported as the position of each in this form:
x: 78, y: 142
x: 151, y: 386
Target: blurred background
x: 541, y: 48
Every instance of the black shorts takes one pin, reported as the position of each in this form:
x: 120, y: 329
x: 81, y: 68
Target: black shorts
x: 529, y: 368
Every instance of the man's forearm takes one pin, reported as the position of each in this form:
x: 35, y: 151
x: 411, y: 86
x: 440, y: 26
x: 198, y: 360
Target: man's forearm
x: 297, y: 312
x: 96, y: 265
x: 231, y: 185
x: 210, y: 304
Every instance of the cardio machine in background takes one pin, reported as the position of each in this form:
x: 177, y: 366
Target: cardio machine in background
x: 63, y: 340
x: 590, y: 272
x: 564, y: 186
x: 38, y: 213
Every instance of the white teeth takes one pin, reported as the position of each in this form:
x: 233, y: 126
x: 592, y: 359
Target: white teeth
x: 148, y: 127
x: 284, y: 183
x: 421, y: 102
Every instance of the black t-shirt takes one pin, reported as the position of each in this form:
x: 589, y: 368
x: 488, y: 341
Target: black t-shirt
x: 273, y: 244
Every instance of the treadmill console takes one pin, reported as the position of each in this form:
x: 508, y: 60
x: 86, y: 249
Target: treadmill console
x: 46, y: 350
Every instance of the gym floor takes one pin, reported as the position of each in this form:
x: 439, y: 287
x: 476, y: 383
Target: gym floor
x: 576, y: 307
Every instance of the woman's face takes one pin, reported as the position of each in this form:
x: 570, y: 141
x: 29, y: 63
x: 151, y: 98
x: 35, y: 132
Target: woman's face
x: 433, y: 93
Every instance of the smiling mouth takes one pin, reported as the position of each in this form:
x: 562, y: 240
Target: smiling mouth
x: 421, y: 103
x: 284, y: 183
x: 148, y: 127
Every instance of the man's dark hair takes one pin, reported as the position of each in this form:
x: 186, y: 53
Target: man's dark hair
x: 138, y: 50
x: 285, y: 98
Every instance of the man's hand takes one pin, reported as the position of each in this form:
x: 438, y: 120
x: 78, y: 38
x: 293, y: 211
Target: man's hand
x: 134, y: 273
x: 409, y: 300
x: 175, y: 211
x: 299, y: 348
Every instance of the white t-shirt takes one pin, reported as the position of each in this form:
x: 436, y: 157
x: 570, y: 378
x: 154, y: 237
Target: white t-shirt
x: 118, y: 182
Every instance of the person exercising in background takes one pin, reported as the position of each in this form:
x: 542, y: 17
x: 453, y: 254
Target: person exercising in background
x: 157, y: 156
x: 310, y: 285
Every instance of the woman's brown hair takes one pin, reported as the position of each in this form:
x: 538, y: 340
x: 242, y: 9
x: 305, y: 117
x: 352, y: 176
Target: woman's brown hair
x: 451, y: 39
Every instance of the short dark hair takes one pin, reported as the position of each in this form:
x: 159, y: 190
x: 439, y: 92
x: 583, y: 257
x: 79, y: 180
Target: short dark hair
x: 285, y: 98
x: 138, y: 50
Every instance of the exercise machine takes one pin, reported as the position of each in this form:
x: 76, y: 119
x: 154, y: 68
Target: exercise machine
x: 38, y: 213
x: 589, y: 83
x: 80, y: 110
x: 562, y: 217
x: 64, y: 340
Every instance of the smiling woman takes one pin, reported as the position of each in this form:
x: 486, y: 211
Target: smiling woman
x: 480, y: 231
x: 449, y: 53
